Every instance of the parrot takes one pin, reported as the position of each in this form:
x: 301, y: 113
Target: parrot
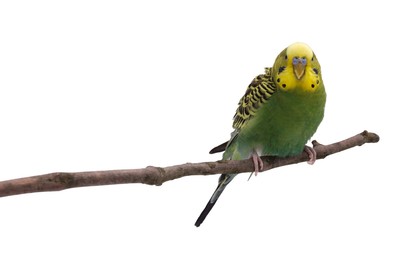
x: 279, y: 112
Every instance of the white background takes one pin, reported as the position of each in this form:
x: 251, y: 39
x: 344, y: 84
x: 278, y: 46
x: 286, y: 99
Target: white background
x: 98, y: 85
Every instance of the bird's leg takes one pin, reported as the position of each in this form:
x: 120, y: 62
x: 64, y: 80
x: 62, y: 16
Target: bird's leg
x: 258, y: 163
x: 312, y: 154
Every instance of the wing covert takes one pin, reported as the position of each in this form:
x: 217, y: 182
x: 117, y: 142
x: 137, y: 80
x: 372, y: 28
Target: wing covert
x: 257, y: 93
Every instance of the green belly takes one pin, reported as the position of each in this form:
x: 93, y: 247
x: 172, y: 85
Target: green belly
x: 281, y: 127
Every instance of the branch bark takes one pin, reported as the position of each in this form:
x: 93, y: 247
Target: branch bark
x: 157, y: 175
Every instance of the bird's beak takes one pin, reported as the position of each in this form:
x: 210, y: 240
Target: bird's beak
x: 299, y: 70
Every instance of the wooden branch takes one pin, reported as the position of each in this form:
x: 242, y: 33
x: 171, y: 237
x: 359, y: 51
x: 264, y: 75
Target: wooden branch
x: 157, y: 175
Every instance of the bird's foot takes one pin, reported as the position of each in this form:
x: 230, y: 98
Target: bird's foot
x: 258, y: 163
x: 312, y: 154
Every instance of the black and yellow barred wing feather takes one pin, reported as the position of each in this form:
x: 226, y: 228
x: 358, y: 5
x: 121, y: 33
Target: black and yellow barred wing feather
x: 257, y: 93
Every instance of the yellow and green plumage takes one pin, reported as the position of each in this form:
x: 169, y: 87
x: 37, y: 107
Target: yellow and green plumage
x: 277, y: 115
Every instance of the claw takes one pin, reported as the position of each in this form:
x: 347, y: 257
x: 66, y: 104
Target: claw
x: 312, y: 154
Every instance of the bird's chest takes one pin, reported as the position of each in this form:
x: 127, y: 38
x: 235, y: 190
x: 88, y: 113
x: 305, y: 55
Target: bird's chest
x: 281, y: 127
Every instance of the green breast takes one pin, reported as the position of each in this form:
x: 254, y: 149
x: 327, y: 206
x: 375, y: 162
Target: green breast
x: 281, y: 127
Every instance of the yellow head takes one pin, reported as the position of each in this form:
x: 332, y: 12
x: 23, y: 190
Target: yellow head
x: 297, y: 68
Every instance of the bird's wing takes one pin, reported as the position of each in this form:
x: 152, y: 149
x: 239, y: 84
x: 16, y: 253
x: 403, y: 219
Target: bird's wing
x: 257, y: 93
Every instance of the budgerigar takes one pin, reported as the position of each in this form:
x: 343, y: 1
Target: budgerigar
x: 277, y: 115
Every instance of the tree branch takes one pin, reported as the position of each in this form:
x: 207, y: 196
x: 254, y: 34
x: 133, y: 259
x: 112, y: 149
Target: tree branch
x: 157, y: 175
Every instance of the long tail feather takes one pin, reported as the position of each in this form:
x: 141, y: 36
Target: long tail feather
x: 204, y: 213
x: 223, y: 181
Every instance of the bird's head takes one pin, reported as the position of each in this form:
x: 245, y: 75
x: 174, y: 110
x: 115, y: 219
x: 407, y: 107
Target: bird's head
x: 297, y: 67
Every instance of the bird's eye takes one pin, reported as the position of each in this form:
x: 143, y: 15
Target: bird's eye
x: 285, y: 57
x: 312, y: 59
